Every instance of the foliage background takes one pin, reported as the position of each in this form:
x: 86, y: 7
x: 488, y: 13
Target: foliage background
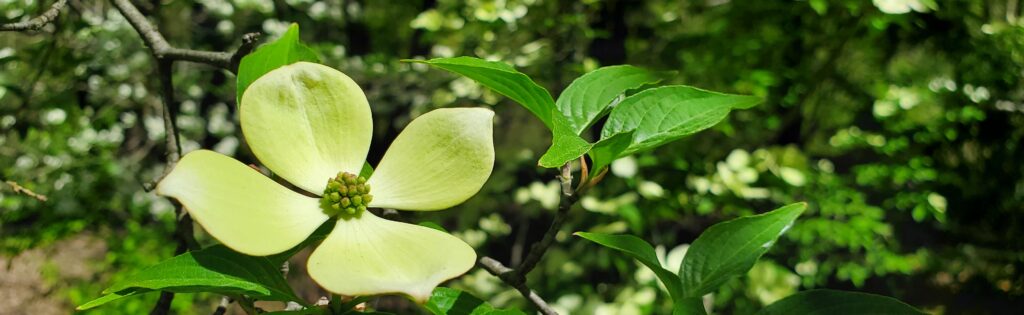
x: 900, y: 121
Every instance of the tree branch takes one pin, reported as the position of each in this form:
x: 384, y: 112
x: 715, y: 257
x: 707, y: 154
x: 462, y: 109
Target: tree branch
x: 564, y: 204
x: 497, y: 269
x: 183, y: 229
x: 225, y: 302
x: 517, y: 277
x: 25, y: 191
x: 163, y: 50
x: 38, y: 22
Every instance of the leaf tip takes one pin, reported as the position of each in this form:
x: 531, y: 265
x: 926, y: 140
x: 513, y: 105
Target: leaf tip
x: 750, y: 101
x: 293, y: 28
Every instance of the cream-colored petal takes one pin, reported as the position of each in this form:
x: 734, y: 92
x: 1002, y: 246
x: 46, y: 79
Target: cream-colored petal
x: 441, y: 159
x: 307, y: 122
x: 237, y: 205
x: 368, y: 255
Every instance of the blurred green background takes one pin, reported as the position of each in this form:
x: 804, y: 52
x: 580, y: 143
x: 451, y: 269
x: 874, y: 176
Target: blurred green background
x: 899, y: 121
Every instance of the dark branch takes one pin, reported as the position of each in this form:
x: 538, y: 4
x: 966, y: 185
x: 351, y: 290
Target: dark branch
x: 163, y: 50
x: 172, y: 144
x: 517, y: 277
x: 497, y: 269
x: 223, y: 306
x: 183, y: 229
x: 38, y: 22
x: 564, y: 204
x: 249, y: 41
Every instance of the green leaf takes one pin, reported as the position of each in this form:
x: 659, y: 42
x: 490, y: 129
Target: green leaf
x: 641, y: 251
x: 308, y: 311
x: 689, y: 306
x: 214, y: 269
x: 284, y: 51
x: 607, y: 150
x: 503, y: 79
x: 107, y: 298
x: 366, y: 171
x: 834, y: 302
x: 591, y: 95
x: 433, y: 225
x: 661, y: 115
x: 348, y: 307
x: 731, y: 248
x: 566, y: 145
x: 448, y: 301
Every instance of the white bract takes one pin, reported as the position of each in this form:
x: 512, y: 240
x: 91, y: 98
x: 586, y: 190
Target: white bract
x: 309, y: 123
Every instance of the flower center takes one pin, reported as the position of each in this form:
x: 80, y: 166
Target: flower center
x: 346, y: 193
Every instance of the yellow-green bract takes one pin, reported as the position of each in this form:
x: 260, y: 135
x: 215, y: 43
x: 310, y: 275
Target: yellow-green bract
x: 308, y: 122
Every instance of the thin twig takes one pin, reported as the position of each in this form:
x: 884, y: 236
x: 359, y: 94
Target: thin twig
x: 163, y: 304
x: 564, y: 204
x: 25, y: 191
x: 516, y: 278
x: 249, y: 41
x: 170, y: 110
x: 497, y: 269
x: 165, y: 56
x: 163, y: 50
x: 183, y: 228
x: 223, y: 306
x: 38, y: 22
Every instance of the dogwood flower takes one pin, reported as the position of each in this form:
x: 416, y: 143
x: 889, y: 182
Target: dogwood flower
x: 311, y: 125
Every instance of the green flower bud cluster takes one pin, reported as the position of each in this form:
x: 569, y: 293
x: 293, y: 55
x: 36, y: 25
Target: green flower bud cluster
x: 346, y: 193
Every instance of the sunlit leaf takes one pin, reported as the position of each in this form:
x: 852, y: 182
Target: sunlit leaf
x: 284, y: 51
x: 731, y: 248
x: 214, y: 269
x: 661, y: 115
x: 110, y: 297
x: 566, y: 145
x: 503, y: 79
x: 589, y: 96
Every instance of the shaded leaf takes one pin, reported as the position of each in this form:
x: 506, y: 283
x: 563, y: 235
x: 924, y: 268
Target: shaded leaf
x: 448, y: 301
x: 366, y: 171
x: 834, y: 302
x: 731, y: 248
x: 589, y: 97
x: 661, y: 115
x: 284, y: 51
x: 689, y: 306
x: 503, y: 79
